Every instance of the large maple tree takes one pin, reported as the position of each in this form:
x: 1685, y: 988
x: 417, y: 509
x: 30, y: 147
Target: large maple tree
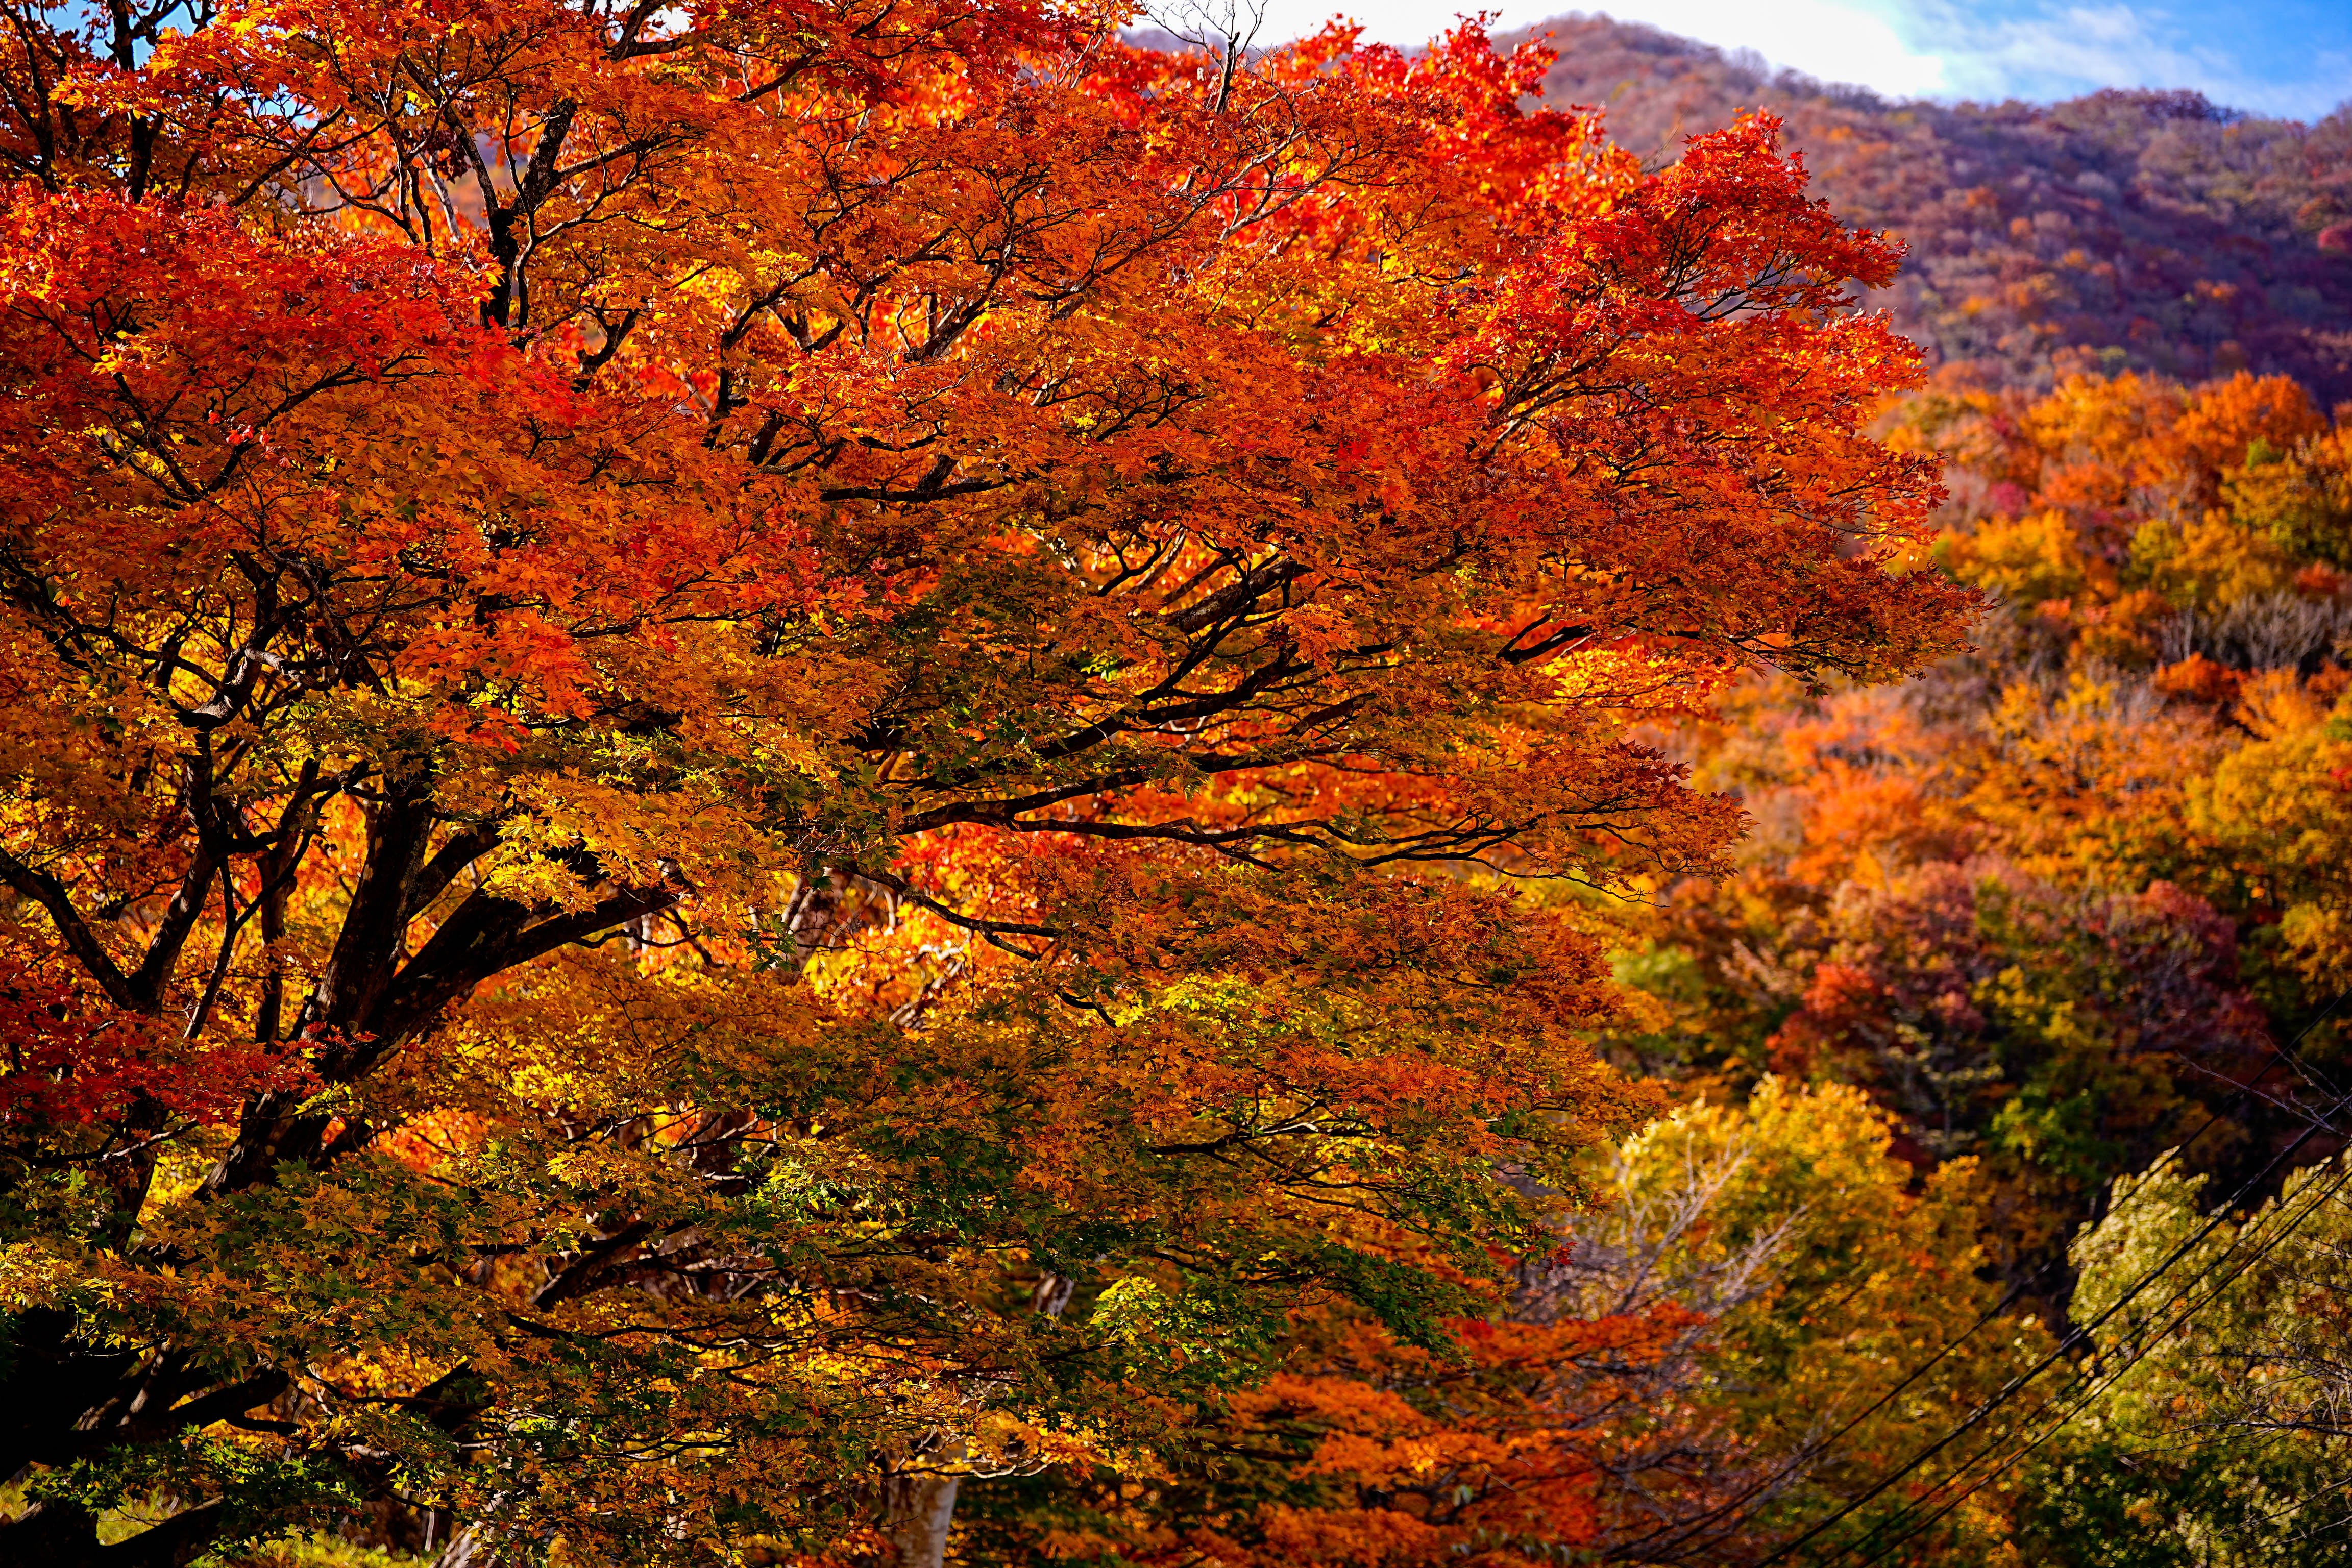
x: 758, y: 753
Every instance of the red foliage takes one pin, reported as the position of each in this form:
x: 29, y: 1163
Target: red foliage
x: 63, y: 1064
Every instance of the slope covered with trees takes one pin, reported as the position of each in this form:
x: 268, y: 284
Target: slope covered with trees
x: 2072, y: 908
x: 2148, y: 231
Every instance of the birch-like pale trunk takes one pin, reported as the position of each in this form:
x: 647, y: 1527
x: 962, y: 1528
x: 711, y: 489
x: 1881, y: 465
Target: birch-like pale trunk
x: 921, y: 1508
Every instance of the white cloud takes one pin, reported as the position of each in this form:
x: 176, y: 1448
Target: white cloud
x: 1835, y: 40
x: 2061, y: 52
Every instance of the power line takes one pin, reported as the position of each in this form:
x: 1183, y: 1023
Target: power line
x: 2070, y: 1343
x: 2077, y: 1336
x: 2221, y: 1217
x: 2146, y: 1346
x: 1685, y: 1530
x: 1690, y: 1528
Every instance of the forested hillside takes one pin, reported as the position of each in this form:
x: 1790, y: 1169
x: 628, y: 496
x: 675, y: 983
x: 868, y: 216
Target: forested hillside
x: 2073, y: 906
x: 2148, y: 231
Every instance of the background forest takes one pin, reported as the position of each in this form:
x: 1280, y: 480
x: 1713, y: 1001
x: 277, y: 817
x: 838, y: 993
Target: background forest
x: 2068, y: 907
x: 838, y: 784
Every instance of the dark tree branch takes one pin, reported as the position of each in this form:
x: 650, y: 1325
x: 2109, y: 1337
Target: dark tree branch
x: 80, y: 940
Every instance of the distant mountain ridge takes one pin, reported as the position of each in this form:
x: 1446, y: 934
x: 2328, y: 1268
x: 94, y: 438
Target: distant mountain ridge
x: 2123, y: 230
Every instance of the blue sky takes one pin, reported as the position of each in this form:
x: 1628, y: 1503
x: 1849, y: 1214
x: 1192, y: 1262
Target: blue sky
x: 2289, y: 58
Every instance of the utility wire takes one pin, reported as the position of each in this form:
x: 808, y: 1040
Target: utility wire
x: 2145, y: 1347
x: 2077, y: 1336
x: 2221, y: 1217
x: 2135, y: 1357
x: 1688, y: 1530
x: 2009, y: 1390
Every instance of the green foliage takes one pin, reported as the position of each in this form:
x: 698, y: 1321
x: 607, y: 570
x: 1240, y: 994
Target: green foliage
x: 2214, y: 1433
x: 2301, y: 498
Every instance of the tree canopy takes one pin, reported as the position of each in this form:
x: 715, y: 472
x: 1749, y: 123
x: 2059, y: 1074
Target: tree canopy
x: 758, y: 753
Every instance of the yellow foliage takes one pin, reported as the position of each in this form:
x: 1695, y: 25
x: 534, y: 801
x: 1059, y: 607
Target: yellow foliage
x: 2213, y: 562
x: 2282, y: 806
x: 2023, y: 560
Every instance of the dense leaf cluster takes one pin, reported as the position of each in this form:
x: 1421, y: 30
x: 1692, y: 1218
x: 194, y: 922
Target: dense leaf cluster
x: 759, y: 758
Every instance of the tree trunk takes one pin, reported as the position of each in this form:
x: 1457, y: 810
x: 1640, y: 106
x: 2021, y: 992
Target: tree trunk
x: 466, y: 1549
x: 921, y: 1506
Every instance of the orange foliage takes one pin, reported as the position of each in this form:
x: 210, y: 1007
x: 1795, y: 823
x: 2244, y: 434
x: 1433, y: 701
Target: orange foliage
x: 1992, y: 897
x: 850, y: 687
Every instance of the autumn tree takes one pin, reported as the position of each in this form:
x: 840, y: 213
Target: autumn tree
x: 757, y: 754
x: 1665, y: 1385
